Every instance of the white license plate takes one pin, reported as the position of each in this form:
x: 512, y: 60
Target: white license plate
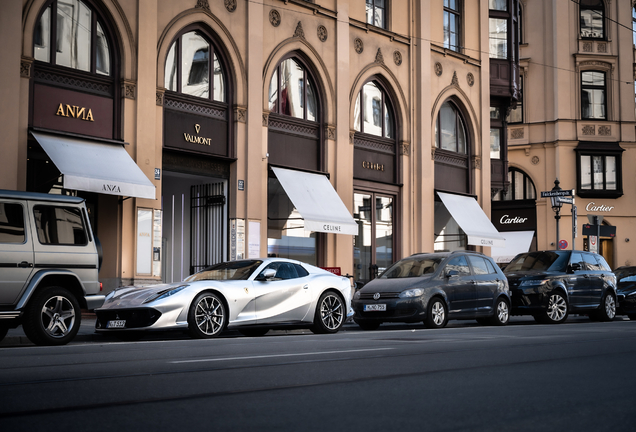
x: 116, y: 324
x: 374, y: 307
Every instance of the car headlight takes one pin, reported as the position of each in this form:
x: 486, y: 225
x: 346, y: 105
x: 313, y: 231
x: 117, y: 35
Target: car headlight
x: 532, y: 282
x: 356, y: 296
x: 412, y: 293
x: 164, y: 294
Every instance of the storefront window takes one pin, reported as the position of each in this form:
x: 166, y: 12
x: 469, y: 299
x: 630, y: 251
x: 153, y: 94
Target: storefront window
x: 69, y: 34
x: 373, y: 246
x: 286, y: 235
x: 448, y: 235
x: 194, y: 68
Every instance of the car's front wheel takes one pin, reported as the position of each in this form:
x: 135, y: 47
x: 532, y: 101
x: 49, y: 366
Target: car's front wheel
x: 330, y: 314
x: 557, y: 311
x: 607, y: 310
x: 52, y: 317
x: 207, y: 316
x: 502, y: 313
x: 437, y: 313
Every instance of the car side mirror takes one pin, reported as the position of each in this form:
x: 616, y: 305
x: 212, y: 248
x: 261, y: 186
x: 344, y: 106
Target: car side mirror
x: 451, y: 273
x: 575, y: 267
x: 267, y: 274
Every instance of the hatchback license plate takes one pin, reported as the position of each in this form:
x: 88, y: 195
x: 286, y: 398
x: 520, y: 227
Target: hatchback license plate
x: 116, y: 324
x: 374, y: 307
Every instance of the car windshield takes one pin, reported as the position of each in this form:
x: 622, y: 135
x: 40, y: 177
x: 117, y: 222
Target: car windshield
x: 234, y: 270
x: 540, y: 261
x: 412, y: 267
x: 626, y: 275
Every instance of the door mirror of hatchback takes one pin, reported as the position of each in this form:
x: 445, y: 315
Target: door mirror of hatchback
x: 450, y: 273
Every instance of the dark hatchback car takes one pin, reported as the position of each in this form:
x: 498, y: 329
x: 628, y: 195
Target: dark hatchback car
x: 434, y: 288
x: 626, y: 291
x: 551, y: 284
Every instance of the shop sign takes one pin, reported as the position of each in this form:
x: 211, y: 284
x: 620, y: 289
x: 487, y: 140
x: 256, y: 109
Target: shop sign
x: 335, y: 270
x: 507, y: 219
x: 514, y: 219
x: 593, y: 207
x: 195, y: 133
x: 373, y: 166
x: 81, y: 113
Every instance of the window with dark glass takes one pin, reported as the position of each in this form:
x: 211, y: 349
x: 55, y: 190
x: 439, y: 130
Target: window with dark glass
x: 521, y: 187
x: 452, y: 25
x: 11, y: 223
x: 372, y: 113
x: 59, y: 226
x: 69, y: 33
x: 593, y: 91
x: 599, y: 169
x: 376, y: 12
x: 288, y: 93
x: 592, y: 14
x: 450, y: 132
x: 516, y: 114
x: 193, y: 67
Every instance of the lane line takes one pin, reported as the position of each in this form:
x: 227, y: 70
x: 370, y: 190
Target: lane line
x: 278, y: 355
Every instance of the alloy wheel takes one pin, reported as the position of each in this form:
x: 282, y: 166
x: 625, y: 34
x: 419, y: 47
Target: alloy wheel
x: 503, y: 314
x: 438, y: 313
x: 610, y: 306
x: 58, y: 316
x: 557, y: 308
x: 331, y: 312
x: 209, y: 315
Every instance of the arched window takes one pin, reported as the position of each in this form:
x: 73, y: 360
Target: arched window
x: 592, y: 15
x: 71, y: 34
x: 291, y: 91
x: 521, y: 187
x: 193, y: 67
x: 372, y: 113
x: 450, y: 132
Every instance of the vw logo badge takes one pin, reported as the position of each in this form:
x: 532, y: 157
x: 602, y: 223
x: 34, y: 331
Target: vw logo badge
x: 376, y: 296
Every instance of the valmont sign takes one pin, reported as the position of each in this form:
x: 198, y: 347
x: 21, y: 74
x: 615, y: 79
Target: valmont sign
x: 195, y: 139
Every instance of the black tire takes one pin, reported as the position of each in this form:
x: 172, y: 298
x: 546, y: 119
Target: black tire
x: 207, y: 316
x: 330, y: 314
x: 607, y: 309
x: 52, y: 317
x: 557, y: 310
x: 3, y: 332
x: 501, y: 315
x: 436, y: 313
x: 253, y: 332
x: 632, y: 317
x: 368, y: 325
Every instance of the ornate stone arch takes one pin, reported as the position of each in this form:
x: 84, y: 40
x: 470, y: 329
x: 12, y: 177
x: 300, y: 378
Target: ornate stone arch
x: 225, y: 42
x: 112, y: 11
x: 315, y: 63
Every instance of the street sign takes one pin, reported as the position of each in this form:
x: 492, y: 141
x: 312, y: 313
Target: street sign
x: 565, y: 200
x: 558, y: 193
x: 603, y: 230
x: 593, y: 244
x: 563, y: 244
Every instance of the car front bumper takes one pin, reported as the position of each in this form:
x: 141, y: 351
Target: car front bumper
x: 397, y: 310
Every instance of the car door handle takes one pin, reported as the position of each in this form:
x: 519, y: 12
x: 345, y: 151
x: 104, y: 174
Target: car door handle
x: 25, y: 264
x: 306, y: 286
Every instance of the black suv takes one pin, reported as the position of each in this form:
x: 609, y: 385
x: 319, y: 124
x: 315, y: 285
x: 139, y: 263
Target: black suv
x: 550, y: 284
x: 434, y: 288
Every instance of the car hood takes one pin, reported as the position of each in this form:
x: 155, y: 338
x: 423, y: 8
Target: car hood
x: 531, y: 274
x: 136, y: 296
x: 395, y: 285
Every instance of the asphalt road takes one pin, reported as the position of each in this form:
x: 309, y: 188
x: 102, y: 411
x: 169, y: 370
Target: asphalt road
x: 523, y: 377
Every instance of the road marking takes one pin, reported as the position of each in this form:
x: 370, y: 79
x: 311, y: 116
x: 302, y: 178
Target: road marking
x: 279, y: 355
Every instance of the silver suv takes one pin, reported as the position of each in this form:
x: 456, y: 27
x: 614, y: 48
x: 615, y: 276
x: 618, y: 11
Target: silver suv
x: 49, y: 262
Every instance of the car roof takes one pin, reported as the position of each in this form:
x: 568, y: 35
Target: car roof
x: 36, y: 196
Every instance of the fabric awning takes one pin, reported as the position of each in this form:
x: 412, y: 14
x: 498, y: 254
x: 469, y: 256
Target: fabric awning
x: 94, y: 166
x: 472, y: 219
x: 516, y: 242
x: 317, y: 202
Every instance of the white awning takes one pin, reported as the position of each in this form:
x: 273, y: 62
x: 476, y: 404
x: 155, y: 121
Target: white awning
x: 317, y: 202
x: 93, y: 166
x: 472, y: 219
x: 516, y: 242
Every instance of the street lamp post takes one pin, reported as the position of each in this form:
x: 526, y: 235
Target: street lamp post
x: 556, y: 206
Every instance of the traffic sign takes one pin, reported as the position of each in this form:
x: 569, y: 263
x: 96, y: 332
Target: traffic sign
x: 565, y: 200
x: 557, y: 193
x: 563, y: 244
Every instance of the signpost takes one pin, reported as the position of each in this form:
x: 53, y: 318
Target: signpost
x: 564, y: 196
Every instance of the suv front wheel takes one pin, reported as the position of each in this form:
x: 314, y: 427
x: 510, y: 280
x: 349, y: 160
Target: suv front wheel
x: 52, y: 317
x: 557, y: 311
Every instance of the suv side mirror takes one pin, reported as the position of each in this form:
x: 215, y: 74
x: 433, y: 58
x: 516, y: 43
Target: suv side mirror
x: 451, y: 273
x: 266, y: 275
x: 575, y: 267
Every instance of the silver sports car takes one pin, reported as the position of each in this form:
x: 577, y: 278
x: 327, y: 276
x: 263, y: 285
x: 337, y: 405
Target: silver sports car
x: 251, y: 296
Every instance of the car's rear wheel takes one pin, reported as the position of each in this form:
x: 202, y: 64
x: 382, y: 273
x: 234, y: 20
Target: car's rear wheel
x: 253, y: 332
x: 368, y: 325
x: 502, y: 313
x: 330, y: 313
x: 52, y: 317
x: 437, y: 313
x: 207, y: 316
x: 557, y: 311
x: 607, y: 310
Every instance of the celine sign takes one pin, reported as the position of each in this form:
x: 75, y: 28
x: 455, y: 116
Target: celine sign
x: 73, y: 111
x: 372, y: 166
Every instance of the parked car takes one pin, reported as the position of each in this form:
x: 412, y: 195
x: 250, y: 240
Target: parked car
x: 626, y: 291
x: 551, y: 284
x: 252, y: 296
x: 49, y: 262
x: 435, y: 287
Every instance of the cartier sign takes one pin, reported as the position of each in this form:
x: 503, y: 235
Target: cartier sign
x: 507, y: 218
x: 593, y: 207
